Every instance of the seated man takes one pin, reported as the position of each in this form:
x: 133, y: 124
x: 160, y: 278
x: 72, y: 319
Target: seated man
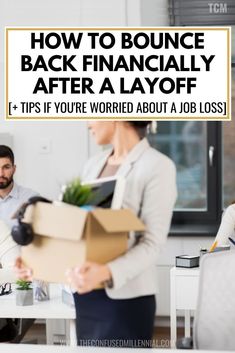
x: 12, y: 196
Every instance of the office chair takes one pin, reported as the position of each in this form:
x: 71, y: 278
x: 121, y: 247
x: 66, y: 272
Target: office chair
x: 214, y: 322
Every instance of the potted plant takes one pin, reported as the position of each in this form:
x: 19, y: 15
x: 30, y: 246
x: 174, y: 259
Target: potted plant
x: 24, y: 293
x: 74, y: 193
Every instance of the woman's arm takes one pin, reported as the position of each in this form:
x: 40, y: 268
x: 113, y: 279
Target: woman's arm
x: 158, y: 203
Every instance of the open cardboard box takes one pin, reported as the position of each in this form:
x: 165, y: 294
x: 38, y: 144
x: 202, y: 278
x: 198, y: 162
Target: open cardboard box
x: 67, y: 236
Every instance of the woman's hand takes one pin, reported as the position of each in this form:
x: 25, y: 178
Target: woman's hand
x: 87, y: 277
x: 21, y: 271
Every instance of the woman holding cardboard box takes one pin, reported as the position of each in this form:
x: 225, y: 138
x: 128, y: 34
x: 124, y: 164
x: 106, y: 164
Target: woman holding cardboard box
x: 122, y: 314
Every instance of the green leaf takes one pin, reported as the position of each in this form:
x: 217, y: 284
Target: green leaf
x: 77, y: 194
x: 23, y: 285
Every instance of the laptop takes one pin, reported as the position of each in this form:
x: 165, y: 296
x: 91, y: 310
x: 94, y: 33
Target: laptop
x: 107, y: 192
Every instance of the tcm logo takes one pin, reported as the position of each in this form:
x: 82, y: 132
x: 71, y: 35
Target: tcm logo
x: 218, y: 7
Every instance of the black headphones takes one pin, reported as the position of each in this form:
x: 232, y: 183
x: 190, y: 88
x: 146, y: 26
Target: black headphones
x: 22, y: 233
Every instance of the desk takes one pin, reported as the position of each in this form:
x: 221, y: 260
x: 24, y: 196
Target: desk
x: 183, y: 296
x: 28, y: 348
x: 49, y: 309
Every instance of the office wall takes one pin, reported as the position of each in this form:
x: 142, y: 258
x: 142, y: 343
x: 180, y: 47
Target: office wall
x: 154, y: 13
x: 103, y: 13
x: 48, y: 154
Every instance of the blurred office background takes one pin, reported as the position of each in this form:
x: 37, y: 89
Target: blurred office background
x: 51, y: 153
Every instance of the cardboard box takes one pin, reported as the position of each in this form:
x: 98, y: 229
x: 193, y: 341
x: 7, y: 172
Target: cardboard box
x: 66, y: 236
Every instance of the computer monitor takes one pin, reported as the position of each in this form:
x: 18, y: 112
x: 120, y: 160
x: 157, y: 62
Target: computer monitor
x: 107, y: 192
